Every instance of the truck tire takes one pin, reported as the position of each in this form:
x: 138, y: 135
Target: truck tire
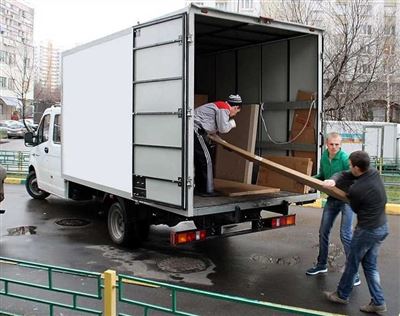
x: 33, y: 189
x: 121, y: 227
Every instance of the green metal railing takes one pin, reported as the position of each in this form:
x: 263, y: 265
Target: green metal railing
x: 9, y: 287
x: 110, y: 291
x: 15, y: 162
x: 125, y: 280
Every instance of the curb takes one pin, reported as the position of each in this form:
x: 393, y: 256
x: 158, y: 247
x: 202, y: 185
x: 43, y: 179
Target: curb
x: 391, y: 209
x: 14, y: 181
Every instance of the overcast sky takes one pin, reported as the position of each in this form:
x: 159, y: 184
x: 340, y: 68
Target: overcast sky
x: 72, y: 22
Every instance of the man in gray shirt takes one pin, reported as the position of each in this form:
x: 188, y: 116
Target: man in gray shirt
x: 211, y: 118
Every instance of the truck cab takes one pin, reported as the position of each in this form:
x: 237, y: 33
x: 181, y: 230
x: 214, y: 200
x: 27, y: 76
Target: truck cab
x: 45, y: 156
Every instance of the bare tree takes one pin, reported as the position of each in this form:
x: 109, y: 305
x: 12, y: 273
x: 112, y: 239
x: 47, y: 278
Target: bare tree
x: 354, y: 55
x: 297, y: 11
x: 20, y: 72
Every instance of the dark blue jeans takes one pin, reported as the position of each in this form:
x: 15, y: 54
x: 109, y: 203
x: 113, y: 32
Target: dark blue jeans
x: 331, y: 210
x: 364, y: 248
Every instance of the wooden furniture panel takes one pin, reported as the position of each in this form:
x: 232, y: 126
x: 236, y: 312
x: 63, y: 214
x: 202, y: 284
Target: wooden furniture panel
x: 227, y: 165
x: 233, y: 188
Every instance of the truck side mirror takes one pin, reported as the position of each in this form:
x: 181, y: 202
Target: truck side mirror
x: 30, y: 139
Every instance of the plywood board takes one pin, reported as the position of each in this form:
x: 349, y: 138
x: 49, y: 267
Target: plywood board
x: 299, y: 122
x: 293, y: 174
x: 227, y: 164
x: 271, y: 178
x: 233, y: 188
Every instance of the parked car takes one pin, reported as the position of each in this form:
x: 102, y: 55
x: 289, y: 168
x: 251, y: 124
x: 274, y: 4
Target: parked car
x: 14, y: 128
x: 3, y: 132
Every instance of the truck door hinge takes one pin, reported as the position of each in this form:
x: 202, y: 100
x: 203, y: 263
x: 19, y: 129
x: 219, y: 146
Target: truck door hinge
x: 180, y: 39
x: 188, y: 182
x: 136, y: 33
x: 190, y: 38
x: 189, y: 113
x: 180, y: 112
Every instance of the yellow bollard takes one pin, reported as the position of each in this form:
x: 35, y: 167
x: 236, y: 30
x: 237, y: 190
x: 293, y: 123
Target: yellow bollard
x: 110, y: 293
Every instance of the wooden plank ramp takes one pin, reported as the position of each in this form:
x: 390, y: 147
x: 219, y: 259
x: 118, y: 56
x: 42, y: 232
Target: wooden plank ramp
x: 293, y: 174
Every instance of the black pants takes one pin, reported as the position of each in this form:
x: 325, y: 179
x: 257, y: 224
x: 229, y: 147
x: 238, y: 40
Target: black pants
x: 203, y: 163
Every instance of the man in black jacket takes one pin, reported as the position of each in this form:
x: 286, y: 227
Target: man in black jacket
x: 367, y: 196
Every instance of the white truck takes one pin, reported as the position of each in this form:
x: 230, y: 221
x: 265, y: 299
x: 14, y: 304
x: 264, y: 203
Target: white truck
x: 127, y: 119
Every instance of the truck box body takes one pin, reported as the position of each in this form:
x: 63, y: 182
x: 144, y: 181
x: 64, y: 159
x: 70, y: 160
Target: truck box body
x: 128, y: 102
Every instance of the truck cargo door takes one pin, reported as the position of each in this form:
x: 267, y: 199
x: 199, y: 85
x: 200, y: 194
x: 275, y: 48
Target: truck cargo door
x: 159, y: 112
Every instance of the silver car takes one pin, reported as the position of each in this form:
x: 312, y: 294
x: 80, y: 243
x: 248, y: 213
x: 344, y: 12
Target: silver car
x: 14, y: 128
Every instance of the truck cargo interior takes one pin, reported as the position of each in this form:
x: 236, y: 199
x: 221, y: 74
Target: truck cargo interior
x: 275, y: 71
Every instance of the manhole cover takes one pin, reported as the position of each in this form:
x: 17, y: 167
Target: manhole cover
x: 72, y: 222
x: 182, y: 265
x: 22, y: 230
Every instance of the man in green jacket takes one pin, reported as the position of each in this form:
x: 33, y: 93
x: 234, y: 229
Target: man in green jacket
x: 333, y: 160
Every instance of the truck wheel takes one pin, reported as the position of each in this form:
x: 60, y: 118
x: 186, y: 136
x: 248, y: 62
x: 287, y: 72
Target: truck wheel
x: 32, y: 187
x: 121, y: 228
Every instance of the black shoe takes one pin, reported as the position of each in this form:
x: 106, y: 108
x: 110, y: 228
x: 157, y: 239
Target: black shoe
x: 206, y: 194
x: 316, y: 270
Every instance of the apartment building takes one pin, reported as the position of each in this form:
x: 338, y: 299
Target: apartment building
x: 16, y: 56
x: 251, y: 7
x: 47, y: 71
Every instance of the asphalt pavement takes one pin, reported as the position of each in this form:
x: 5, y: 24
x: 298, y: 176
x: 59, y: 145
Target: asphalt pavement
x: 268, y: 266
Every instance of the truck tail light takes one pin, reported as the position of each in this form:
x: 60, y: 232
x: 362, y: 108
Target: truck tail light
x: 282, y: 221
x: 179, y: 238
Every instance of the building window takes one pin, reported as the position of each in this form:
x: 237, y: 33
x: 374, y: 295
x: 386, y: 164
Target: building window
x: 390, y: 30
x: 246, y: 4
x: 3, y: 82
x: 366, y: 49
x: 366, y: 29
x: 222, y: 6
x: 3, y: 56
x: 10, y: 84
x: 366, y: 69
